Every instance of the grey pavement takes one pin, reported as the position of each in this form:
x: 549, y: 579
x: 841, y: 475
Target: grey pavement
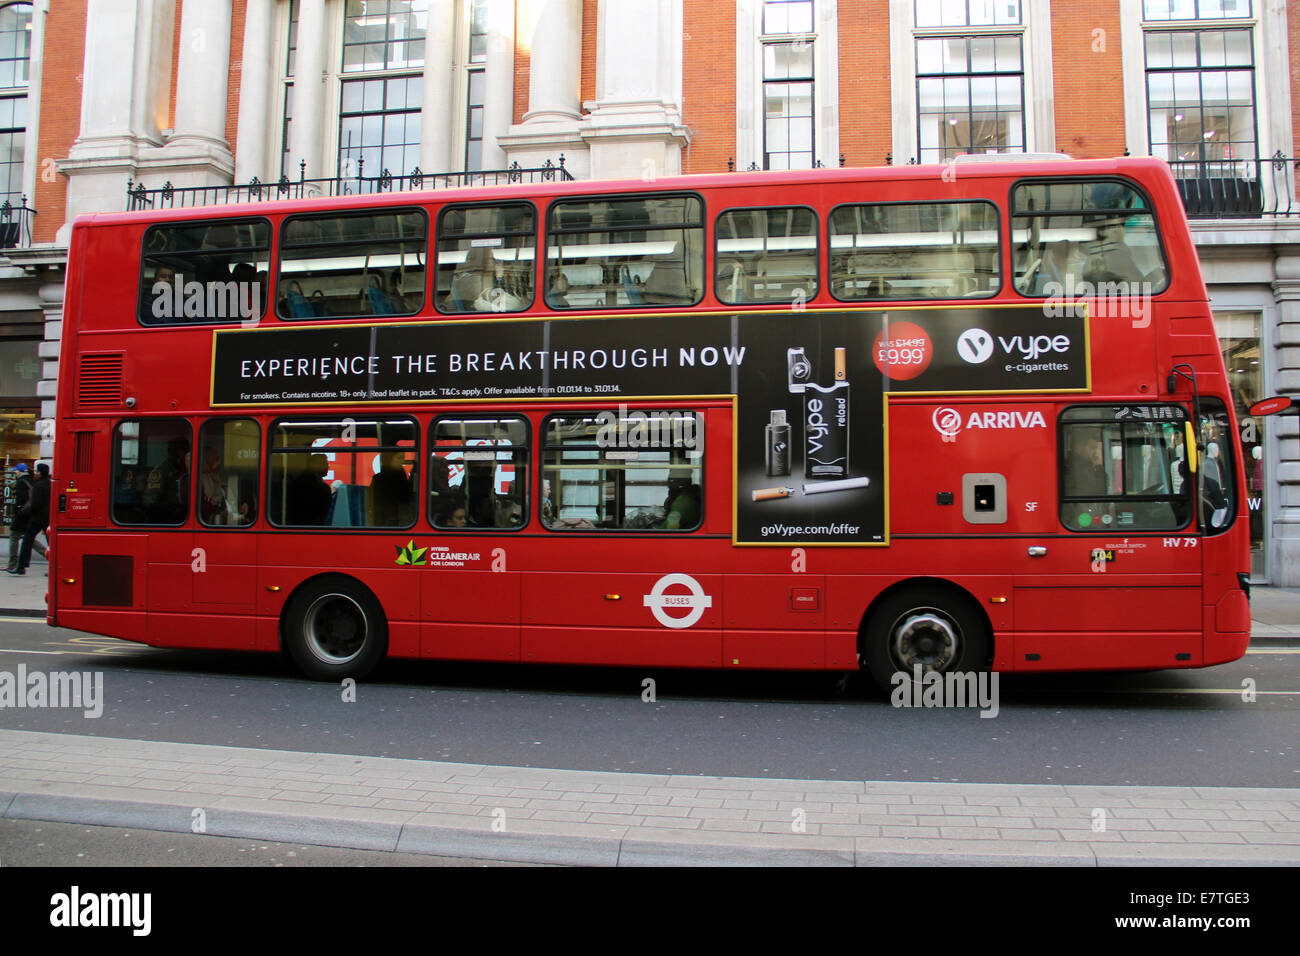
x: 627, y: 819
x: 533, y: 815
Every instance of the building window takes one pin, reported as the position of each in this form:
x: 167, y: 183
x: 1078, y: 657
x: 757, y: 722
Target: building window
x: 15, y: 55
x: 967, y: 13
x: 1156, y: 10
x: 970, y: 94
x: 788, y: 117
x: 788, y: 105
x: 379, y: 119
x: 475, y: 83
x: 286, y: 118
x: 1201, y: 104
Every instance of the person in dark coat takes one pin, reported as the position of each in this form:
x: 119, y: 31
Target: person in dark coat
x: 38, y: 516
x: 22, y: 495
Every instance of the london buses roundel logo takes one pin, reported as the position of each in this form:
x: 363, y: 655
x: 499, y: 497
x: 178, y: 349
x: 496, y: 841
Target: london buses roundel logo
x: 694, y: 602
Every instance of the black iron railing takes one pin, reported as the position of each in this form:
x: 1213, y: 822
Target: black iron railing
x: 1237, y: 188
x: 168, y: 196
x: 16, y: 224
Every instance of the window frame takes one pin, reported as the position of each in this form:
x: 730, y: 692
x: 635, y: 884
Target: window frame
x: 968, y: 75
x: 1187, y: 27
x: 434, y: 291
x: 1062, y: 499
x: 271, y: 249
x: 115, y: 463
x: 330, y: 416
x: 1000, y: 257
x: 282, y: 246
x: 819, y: 260
x: 197, y: 492
x: 527, y: 485
x: 1150, y: 208
x: 649, y: 409
x: 549, y: 231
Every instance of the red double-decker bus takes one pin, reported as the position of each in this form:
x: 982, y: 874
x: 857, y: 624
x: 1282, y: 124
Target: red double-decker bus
x: 950, y: 418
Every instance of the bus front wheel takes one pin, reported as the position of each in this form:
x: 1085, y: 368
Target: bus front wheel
x: 334, y: 628
x: 936, y: 631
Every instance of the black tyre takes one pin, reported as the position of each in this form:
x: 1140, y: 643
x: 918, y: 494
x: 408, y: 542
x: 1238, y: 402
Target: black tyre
x: 334, y: 628
x: 938, y: 629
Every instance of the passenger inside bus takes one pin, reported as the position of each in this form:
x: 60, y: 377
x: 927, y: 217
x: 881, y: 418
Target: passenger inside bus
x: 1085, y: 475
x: 391, y: 499
x: 453, y: 513
x: 167, y: 493
x: 308, y: 496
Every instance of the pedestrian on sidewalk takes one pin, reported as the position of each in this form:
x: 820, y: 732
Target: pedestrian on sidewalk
x: 22, y: 495
x: 37, y: 515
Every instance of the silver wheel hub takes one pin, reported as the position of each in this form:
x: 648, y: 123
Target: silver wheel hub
x: 334, y: 629
x: 926, y: 637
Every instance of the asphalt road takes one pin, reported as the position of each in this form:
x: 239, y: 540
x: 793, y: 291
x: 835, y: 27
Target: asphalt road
x: 1162, y: 728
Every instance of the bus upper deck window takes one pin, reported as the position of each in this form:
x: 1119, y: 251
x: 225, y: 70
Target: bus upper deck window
x: 1071, y: 238
x: 487, y: 256
x: 624, y: 253
x: 935, y: 250
x: 355, y: 264
x: 213, y: 271
x: 765, y: 255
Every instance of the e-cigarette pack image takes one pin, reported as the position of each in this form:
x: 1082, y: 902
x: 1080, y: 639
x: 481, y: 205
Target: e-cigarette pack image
x: 826, y: 425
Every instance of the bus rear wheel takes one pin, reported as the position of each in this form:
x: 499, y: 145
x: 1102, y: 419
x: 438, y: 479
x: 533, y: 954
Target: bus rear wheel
x: 936, y: 631
x: 334, y: 628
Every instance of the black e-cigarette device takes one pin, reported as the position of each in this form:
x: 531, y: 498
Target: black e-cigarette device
x: 776, y: 444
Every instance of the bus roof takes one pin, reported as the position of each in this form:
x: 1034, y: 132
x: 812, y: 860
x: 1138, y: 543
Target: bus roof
x: 1143, y: 168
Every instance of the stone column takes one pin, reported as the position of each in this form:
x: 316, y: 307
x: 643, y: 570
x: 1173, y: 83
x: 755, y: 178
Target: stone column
x: 201, y: 77
x: 551, y: 127
x: 555, y: 68
x: 635, y: 127
x: 126, y: 73
x: 498, y: 82
x: 1284, y: 562
x: 306, y: 132
x: 256, y: 80
x: 50, y: 295
x: 437, y: 120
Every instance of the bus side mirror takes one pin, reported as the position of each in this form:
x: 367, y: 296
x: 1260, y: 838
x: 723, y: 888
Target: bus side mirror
x: 1272, y: 406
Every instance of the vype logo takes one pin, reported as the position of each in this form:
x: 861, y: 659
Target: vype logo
x: 817, y: 426
x: 975, y: 346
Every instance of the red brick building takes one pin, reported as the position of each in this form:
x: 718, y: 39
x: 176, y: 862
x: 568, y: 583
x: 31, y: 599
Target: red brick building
x: 96, y: 94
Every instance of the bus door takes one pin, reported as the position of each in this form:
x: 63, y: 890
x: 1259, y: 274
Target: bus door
x: 222, y: 560
x: 1120, y: 579
x: 628, y: 512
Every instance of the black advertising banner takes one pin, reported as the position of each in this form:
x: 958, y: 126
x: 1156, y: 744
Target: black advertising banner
x: 810, y: 387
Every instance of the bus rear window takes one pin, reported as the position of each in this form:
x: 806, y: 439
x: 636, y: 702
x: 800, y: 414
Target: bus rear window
x: 1069, y: 239
x: 935, y: 250
x: 349, y: 265
x: 623, y: 253
x: 205, y: 272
